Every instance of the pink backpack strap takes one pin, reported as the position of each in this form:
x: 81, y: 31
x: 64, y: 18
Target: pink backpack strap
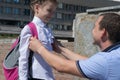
x: 33, y: 29
x: 34, y: 33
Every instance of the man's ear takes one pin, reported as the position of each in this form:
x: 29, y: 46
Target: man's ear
x: 104, y: 36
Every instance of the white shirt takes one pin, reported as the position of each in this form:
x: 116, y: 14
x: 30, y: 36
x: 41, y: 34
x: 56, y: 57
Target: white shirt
x: 40, y: 69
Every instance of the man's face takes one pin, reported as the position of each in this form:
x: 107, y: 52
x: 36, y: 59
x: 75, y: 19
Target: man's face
x: 96, y: 32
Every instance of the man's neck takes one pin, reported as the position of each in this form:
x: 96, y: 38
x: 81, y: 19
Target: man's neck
x: 105, y: 45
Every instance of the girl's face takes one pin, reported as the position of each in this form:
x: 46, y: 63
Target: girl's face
x: 45, y: 11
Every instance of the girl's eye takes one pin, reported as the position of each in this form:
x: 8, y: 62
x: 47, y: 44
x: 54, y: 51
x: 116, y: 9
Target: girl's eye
x: 49, y: 10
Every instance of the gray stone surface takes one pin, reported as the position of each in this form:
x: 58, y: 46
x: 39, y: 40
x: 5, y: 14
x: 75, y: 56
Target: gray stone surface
x: 83, y: 25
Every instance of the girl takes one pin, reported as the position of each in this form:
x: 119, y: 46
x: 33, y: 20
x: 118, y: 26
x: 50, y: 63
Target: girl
x: 43, y: 11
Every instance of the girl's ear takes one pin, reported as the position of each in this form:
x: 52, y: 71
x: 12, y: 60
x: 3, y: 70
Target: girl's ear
x: 36, y: 6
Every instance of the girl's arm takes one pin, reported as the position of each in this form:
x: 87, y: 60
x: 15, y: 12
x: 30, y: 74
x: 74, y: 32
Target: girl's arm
x: 24, y: 53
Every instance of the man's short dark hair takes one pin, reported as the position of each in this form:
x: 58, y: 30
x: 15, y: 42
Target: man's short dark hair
x: 111, y: 22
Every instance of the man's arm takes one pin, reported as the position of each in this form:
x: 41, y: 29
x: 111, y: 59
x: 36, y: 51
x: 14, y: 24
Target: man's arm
x: 59, y: 48
x: 71, y: 55
x: 57, y: 62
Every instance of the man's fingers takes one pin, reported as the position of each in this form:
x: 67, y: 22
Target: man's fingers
x: 31, y: 38
x: 35, y: 37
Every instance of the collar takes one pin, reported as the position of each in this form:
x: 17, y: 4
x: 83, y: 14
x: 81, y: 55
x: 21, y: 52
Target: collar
x: 112, y: 47
x: 39, y: 22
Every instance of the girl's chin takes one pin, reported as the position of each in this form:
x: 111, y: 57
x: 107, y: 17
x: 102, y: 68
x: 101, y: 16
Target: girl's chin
x: 46, y: 21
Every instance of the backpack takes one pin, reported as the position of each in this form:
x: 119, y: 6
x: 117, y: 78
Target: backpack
x: 10, y: 62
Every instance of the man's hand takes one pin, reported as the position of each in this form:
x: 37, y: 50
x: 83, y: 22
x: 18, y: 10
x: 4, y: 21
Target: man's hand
x: 57, y: 46
x: 35, y: 45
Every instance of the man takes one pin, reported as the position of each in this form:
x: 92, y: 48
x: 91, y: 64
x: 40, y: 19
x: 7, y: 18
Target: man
x: 102, y: 66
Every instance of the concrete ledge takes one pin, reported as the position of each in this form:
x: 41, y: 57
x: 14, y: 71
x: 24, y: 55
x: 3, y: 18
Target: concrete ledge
x: 104, y: 9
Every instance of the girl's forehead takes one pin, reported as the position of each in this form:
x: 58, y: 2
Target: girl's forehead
x: 49, y: 5
x: 49, y: 2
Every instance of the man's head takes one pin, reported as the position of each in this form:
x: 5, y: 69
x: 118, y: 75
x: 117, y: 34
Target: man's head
x: 111, y: 23
x: 107, y: 27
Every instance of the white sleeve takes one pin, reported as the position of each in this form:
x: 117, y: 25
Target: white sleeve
x: 24, y: 53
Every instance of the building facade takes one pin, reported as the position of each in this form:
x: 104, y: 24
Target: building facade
x: 17, y: 12
x: 14, y: 12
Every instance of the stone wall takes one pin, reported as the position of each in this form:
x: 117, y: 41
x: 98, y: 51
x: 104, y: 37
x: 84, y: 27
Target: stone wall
x: 83, y: 25
x: 82, y: 29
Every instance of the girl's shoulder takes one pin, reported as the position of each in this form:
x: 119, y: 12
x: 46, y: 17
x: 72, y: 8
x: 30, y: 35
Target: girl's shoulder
x: 25, y: 30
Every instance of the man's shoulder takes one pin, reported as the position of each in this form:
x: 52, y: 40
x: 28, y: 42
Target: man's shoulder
x: 112, y: 55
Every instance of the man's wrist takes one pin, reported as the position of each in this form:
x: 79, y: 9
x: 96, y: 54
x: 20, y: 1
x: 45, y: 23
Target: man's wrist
x: 40, y: 49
